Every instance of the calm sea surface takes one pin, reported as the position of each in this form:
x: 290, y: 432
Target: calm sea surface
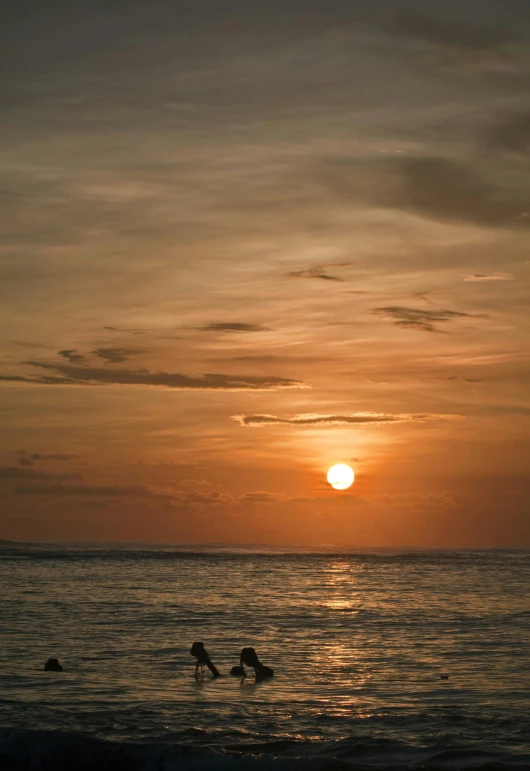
x: 358, y: 642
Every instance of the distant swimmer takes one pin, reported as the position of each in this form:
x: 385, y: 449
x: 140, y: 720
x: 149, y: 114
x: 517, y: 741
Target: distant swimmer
x: 52, y: 665
x: 203, y: 659
x: 249, y: 657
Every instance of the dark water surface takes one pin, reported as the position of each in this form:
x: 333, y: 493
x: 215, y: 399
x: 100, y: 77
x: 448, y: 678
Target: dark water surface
x: 358, y: 641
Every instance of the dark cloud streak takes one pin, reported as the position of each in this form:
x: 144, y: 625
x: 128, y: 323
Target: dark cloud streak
x: 314, y: 273
x: 15, y: 472
x: 320, y: 272
x: 115, y: 355
x: 56, y: 488
x: 70, y: 354
x: 228, y: 326
x: 414, y: 318
x: 54, y: 456
x: 209, y: 381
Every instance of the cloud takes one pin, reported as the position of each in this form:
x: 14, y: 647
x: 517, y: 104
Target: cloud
x: 72, y: 375
x: 512, y: 134
x: 191, y: 499
x: 489, y: 277
x: 320, y: 272
x: 54, y: 456
x: 357, y: 418
x: 260, y: 497
x: 33, y: 456
x: 234, y: 326
x: 203, y: 499
x: 492, y: 48
x: 15, y: 472
x: 314, y: 273
x: 22, y: 379
x: 56, y: 488
x: 127, y: 331
x: 462, y: 379
x: 114, y: 355
x: 48, y: 380
x: 70, y: 354
x: 190, y: 483
x: 432, y: 187
x: 449, y: 34
x: 446, y: 190
x: 413, y: 318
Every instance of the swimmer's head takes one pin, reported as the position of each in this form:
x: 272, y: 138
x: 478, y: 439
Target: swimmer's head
x: 52, y: 665
x: 249, y: 657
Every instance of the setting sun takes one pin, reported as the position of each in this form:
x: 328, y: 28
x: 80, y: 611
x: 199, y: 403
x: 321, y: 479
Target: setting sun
x: 341, y: 476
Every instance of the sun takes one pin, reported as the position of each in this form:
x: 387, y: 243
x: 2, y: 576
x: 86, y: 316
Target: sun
x: 341, y: 476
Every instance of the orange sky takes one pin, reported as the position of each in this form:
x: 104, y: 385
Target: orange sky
x: 243, y: 244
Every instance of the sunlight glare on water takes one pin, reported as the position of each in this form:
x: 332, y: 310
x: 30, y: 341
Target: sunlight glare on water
x: 358, y: 643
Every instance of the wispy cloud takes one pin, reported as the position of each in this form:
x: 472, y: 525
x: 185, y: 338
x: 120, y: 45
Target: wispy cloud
x: 430, y: 186
x: 121, y: 330
x: 115, y: 355
x: 449, y: 33
x: 415, y: 318
x: 320, y: 272
x: 56, y: 488
x: 71, y: 354
x: 203, y: 499
x: 33, y: 456
x: 15, y: 472
x: 73, y: 375
x: 512, y: 134
x: 47, y: 380
x: 190, y: 500
x: 261, y: 497
x: 232, y: 326
x: 314, y: 273
x: 491, y: 48
x: 446, y: 190
x: 489, y: 277
x: 55, y: 456
x: 193, y: 499
x: 356, y: 418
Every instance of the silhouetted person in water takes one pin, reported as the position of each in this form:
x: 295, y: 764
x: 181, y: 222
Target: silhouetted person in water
x: 52, y: 665
x: 249, y: 657
x: 201, y: 654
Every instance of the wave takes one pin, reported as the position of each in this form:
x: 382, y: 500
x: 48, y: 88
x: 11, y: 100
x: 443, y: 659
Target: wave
x: 25, y: 750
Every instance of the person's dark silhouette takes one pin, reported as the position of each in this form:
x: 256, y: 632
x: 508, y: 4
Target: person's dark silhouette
x: 52, y: 665
x: 203, y: 659
x: 249, y: 657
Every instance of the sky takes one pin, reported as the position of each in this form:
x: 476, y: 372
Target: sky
x: 244, y: 241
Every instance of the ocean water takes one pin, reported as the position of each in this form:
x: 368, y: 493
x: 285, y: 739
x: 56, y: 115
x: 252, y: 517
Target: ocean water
x: 359, y: 643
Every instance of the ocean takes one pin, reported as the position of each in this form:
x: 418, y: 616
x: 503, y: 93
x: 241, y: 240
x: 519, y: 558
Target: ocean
x: 383, y: 659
